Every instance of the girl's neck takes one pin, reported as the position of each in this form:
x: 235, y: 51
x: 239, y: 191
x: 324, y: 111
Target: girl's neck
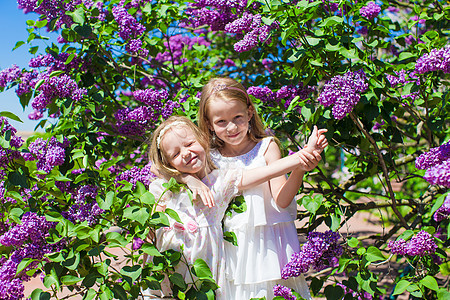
x: 236, y: 150
x: 205, y: 171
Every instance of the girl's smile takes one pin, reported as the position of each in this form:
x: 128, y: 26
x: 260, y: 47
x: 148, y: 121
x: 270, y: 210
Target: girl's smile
x: 183, y: 151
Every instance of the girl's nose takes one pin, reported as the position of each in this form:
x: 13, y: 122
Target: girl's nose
x: 231, y: 126
x: 184, y: 153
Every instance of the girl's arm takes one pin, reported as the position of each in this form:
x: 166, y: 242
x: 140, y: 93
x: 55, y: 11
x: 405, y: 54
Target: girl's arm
x: 302, y: 160
x: 197, y: 187
x: 284, y: 190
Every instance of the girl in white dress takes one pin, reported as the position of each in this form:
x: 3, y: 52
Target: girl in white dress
x: 265, y: 232
x: 178, y: 148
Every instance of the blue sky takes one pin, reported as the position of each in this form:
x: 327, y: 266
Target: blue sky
x: 13, y: 28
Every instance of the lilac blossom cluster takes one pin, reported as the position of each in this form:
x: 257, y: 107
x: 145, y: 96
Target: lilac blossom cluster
x: 283, y: 291
x: 443, y: 212
x: 7, y: 155
x: 28, y: 240
x: 56, y: 87
x: 9, y: 75
x: 177, y: 45
x: 214, y: 13
x: 370, y: 11
x: 219, y: 15
x: 49, y: 154
x: 343, y: 92
x: 135, y: 174
x: 436, y: 60
x: 57, y: 62
x: 137, y: 243
x: 401, y: 79
x: 321, y: 250
x: 254, y: 32
x: 286, y: 93
x: 129, y: 27
x: 421, y: 244
x: 137, y: 121
x: 135, y: 47
x: 51, y: 9
x: 436, y: 162
x: 85, y: 208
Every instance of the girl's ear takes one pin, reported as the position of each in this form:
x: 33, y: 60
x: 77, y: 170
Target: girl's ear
x: 250, y: 112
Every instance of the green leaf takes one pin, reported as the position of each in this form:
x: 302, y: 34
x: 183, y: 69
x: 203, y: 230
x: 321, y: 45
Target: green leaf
x: 401, y: 286
x: 23, y: 264
x: 430, y: 282
x: 18, y: 44
x: 70, y: 279
x: 119, y: 292
x: 201, y: 269
x: 173, y: 214
x: 150, y: 250
x: 353, y: 242
x: 138, y: 214
x: 350, y: 54
x: 77, y: 16
x: 178, y: 280
x: 107, y: 202
x: 312, y: 204
x: 132, y: 271
x: 374, y: 254
x: 147, y: 198
x: 35, y: 295
x: 331, y: 21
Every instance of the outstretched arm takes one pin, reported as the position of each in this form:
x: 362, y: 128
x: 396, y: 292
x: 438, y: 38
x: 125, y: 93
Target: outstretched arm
x: 302, y: 160
x: 283, y: 191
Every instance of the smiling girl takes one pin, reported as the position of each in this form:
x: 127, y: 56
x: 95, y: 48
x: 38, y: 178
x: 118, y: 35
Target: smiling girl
x: 179, y: 147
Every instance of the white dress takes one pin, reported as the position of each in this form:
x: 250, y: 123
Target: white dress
x: 200, y: 232
x: 266, y: 236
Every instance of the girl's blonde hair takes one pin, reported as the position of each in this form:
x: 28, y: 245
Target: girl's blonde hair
x: 227, y: 89
x: 159, y: 157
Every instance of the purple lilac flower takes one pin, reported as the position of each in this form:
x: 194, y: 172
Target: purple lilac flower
x: 135, y: 47
x: 321, y: 250
x: 49, y: 153
x: 416, y: 18
x: 9, y: 75
x: 265, y: 94
x: 177, y: 45
x: 129, y: 27
x: 27, y: 240
x: 289, y: 92
x: 370, y: 11
x: 343, y: 92
x: 136, y: 174
x: 393, y: 9
x: 51, y: 9
x: 283, y: 291
x: 27, y: 82
x: 433, y: 157
x: 85, y: 207
x: 436, y: 60
x: 229, y: 63
x: 421, y: 244
x: 443, y: 212
x: 137, y: 243
x: 56, y: 87
x: 439, y: 174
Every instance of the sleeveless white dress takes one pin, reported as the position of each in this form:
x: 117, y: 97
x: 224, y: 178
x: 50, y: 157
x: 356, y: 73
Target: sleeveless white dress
x: 266, y: 236
x: 200, y: 232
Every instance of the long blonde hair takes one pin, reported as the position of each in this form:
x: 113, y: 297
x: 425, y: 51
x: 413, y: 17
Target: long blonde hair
x: 227, y: 89
x: 158, y: 156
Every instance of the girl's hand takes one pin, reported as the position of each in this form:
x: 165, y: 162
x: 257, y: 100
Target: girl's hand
x: 317, y: 140
x: 198, y: 188
x: 308, y: 161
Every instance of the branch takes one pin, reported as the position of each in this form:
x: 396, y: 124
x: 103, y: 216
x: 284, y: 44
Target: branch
x: 383, y: 166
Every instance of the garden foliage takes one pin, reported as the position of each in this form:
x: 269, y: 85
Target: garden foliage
x: 374, y: 73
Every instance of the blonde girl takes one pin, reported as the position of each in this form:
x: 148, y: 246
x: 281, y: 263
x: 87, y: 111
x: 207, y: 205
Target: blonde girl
x: 265, y: 232
x: 179, y: 147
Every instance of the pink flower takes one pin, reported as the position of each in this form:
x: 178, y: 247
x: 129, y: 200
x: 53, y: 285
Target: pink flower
x: 178, y: 226
x: 192, y: 226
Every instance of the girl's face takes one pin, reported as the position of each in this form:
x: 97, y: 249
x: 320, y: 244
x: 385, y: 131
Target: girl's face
x: 229, y: 120
x: 183, y: 151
